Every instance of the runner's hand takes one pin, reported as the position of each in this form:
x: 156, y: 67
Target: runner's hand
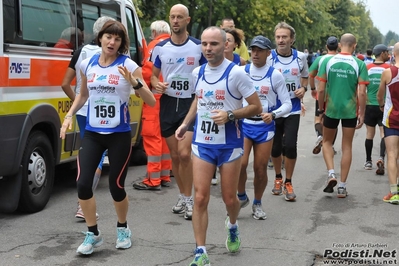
x: 67, y: 124
x: 360, y: 121
x: 181, y: 131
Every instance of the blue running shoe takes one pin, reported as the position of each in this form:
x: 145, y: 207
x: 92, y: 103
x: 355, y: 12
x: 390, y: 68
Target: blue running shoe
x: 124, y: 235
x: 91, y: 241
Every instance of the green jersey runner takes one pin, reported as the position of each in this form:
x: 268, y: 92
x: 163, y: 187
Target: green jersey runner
x: 342, y: 73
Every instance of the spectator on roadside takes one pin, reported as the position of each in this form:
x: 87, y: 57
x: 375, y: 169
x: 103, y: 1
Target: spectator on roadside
x: 158, y: 156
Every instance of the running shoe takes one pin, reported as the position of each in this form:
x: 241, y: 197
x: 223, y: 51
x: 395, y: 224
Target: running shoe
x: 142, y: 186
x: 368, y: 165
x: 79, y: 214
x: 180, y: 206
x: 391, y: 198
x: 123, y: 240
x: 91, y: 241
x: 342, y: 193
x: 214, y: 181
x: 331, y: 182
x: 233, y: 241
x: 270, y: 164
x: 200, y: 258
x: 244, y: 203
x: 257, y: 212
x: 106, y: 161
x: 288, y: 191
x: 278, y: 186
x: 380, y: 167
x: 188, y: 213
x: 319, y: 143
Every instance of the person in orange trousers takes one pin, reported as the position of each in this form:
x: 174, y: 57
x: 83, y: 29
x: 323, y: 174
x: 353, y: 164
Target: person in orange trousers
x: 159, y: 163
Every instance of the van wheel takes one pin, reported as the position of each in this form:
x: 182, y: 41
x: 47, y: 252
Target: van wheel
x: 37, y: 173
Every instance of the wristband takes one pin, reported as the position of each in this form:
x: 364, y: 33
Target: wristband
x: 312, y: 89
x: 320, y: 111
x: 67, y: 116
x: 306, y: 89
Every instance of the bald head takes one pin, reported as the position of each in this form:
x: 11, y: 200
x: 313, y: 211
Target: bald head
x: 396, y: 49
x: 180, y: 8
x: 348, y: 39
x: 216, y: 30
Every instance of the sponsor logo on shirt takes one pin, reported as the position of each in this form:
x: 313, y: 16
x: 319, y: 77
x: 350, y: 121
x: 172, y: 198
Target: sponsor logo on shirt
x: 220, y: 94
x: 101, y: 78
x: 113, y: 79
x: 209, y: 94
x: 90, y: 77
x: 200, y: 93
x: 285, y: 71
x: 180, y: 60
x: 264, y: 90
x: 170, y: 61
x: 190, y: 60
x: 294, y: 71
x: 208, y: 138
x: 104, y: 122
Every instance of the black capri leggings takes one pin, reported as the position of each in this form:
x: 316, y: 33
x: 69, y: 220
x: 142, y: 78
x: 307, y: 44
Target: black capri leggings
x: 286, y: 136
x: 90, y: 153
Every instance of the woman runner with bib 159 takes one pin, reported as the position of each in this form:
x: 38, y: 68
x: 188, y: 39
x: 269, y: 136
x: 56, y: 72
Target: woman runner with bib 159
x: 107, y: 81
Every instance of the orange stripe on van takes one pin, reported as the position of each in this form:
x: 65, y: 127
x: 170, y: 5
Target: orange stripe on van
x: 43, y: 72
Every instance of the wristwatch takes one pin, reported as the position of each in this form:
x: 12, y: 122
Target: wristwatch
x: 230, y: 115
x: 139, y: 84
x: 273, y: 115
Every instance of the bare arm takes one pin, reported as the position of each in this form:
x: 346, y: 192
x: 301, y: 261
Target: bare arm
x: 321, y: 94
x: 362, y: 97
x: 159, y: 86
x: 144, y: 92
x: 190, y: 116
x: 66, y: 83
x: 254, y: 107
x: 79, y: 101
x: 385, y: 78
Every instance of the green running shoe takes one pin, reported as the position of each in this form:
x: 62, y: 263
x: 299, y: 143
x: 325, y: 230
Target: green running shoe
x: 200, y: 259
x: 233, y: 241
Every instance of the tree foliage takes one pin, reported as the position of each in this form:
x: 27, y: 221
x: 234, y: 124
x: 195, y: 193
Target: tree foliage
x: 313, y: 20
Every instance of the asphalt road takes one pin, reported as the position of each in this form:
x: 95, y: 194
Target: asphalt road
x: 294, y: 234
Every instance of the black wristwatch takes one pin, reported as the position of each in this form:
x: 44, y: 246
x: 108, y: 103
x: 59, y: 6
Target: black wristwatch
x: 312, y: 89
x: 320, y: 111
x: 273, y: 115
x: 306, y: 89
x: 230, y: 115
x: 139, y: 84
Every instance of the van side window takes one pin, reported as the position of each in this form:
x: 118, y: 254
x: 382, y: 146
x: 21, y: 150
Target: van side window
x: 91, y: 12
x: 47, y: 23
x: 135, y: 36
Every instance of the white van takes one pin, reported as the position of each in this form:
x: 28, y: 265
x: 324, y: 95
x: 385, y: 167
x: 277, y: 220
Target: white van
x: 39, y: 37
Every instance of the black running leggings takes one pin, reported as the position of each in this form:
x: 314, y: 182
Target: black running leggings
x: 286, y: 136
x: 90, y: 153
